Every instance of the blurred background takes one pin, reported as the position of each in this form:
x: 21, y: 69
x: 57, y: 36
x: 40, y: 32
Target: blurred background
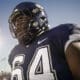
x: 58, y: 11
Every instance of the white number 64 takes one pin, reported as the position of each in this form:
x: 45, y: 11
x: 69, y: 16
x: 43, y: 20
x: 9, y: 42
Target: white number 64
x: 40, y: 67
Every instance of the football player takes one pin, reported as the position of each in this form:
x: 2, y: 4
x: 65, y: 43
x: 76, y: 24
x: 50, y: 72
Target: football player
x: 43, y: 53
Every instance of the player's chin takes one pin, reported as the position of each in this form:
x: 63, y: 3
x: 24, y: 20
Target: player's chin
x: 23, y: 39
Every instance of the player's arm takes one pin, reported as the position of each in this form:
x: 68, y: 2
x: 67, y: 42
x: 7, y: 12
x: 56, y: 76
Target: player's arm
x: 72, y: 51
x: 73, y: 59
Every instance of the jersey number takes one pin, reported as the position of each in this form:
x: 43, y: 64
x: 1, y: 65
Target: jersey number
x: 40, y: 67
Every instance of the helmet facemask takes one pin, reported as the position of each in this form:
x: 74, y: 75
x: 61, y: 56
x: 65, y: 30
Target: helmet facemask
x: 19, y: 27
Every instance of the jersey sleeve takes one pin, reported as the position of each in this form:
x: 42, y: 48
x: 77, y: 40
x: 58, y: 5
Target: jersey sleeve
x: 74, y: 36
x: 65, y: 34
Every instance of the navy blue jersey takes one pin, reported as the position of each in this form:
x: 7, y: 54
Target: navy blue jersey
x: 44, y: 58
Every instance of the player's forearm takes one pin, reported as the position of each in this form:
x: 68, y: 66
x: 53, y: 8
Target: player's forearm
x: 73, y: 59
